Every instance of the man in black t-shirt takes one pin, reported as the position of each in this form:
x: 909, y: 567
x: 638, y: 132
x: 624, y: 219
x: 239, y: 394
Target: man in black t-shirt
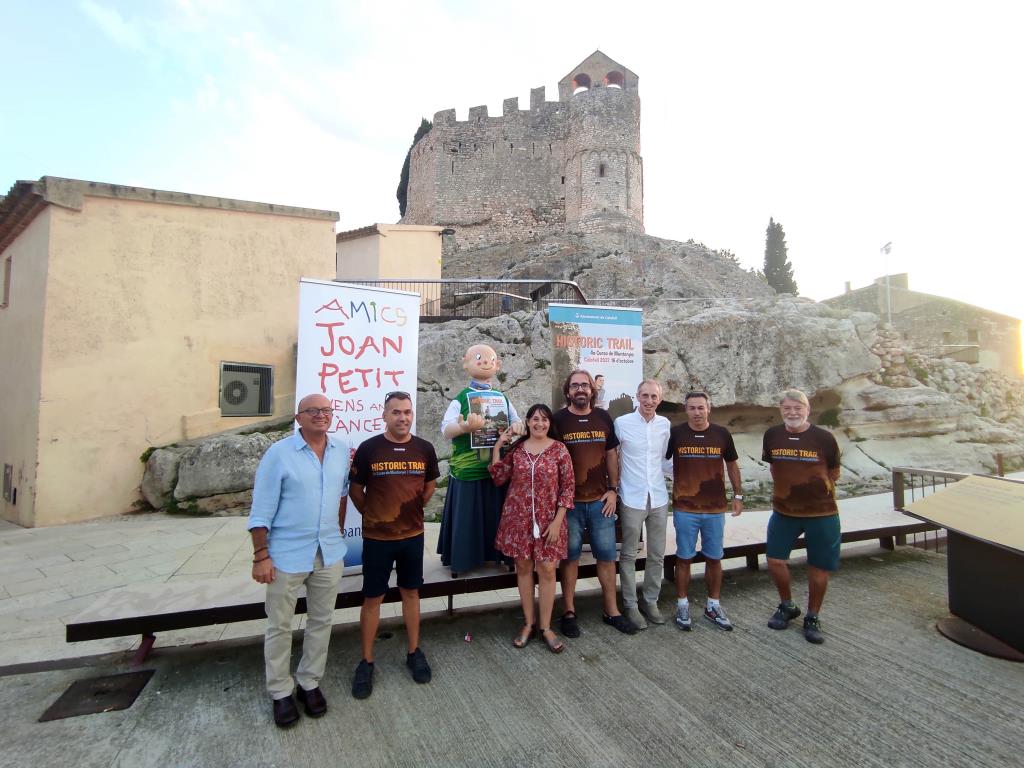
x: 589, y: 434
x: 394, y: 475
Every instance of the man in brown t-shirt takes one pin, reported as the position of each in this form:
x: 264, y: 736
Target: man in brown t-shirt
x: 394, y: 475
x: 804, y: 462
x: 589, y: 434
x: 702, y: 454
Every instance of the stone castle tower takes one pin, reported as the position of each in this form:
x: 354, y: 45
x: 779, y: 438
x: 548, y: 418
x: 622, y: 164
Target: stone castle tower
x: 567, y: 165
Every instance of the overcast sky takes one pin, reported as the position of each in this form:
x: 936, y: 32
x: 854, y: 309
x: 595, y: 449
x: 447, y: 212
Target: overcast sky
x: 852, y: 124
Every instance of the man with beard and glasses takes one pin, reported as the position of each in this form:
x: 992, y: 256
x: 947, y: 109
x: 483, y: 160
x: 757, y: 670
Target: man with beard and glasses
x: 589, y: 434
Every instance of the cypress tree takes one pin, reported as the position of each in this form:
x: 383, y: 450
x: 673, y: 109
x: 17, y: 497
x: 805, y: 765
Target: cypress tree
x: 777, y: 269
x: 403, y: 180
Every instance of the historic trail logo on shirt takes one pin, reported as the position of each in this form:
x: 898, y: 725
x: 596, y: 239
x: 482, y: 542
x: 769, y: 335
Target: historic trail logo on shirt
x: 793, y: 454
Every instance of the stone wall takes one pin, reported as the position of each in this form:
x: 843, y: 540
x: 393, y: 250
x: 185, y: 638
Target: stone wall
x: 939, y: 326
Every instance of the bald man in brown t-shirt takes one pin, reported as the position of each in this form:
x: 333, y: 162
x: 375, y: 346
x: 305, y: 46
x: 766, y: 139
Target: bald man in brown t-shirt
x: 393, y: 477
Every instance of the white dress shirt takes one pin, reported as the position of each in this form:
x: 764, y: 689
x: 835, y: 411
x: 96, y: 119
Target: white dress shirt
x: 642, y: 447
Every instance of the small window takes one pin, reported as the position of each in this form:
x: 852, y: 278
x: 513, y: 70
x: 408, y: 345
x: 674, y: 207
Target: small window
x: 580, y: 83
x: 600, y: 170
x: 5, y: 293
x: 614, y: 79
x: 246, y: 389
x: 972, y: 336
x: 9, y: 490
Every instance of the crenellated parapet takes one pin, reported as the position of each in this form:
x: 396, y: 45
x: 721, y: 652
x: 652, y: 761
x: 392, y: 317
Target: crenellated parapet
x: 567, y: 164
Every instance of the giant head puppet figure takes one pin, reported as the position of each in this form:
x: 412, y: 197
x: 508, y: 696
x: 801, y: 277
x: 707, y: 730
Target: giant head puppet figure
x: 472, y: 505
x: 482, y: 364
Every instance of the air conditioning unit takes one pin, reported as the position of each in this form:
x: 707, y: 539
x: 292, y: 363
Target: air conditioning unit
x: 246, y: 389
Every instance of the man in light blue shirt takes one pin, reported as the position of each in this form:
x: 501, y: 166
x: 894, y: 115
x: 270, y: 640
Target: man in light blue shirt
x: 297, y: 519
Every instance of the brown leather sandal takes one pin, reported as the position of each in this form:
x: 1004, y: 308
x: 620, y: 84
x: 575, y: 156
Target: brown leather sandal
x: 554, y: 644
x: 524, y: 637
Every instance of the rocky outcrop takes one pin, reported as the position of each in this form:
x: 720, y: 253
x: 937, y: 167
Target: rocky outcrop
x: 888, y: 404
x: 613, y: 266
x: 746, y: 351
x: 217, y: 471
x: 222, y: 464
x: 161, y: 475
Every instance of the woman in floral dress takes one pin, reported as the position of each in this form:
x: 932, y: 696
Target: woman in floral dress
x: 533, y: 530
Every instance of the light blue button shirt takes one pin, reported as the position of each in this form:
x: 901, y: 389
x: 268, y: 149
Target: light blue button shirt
x: 296, y: 499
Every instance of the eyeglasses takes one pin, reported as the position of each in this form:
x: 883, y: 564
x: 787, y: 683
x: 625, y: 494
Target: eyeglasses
x: 312, y: 412
x: 397, y: 394
x: 584, y: 385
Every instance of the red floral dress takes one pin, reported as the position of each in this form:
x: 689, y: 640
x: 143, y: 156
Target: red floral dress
x: 539, y: 485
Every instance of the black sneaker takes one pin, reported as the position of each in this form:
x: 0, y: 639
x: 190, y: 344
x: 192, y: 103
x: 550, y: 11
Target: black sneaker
x: 621, y: 623
x: 568, y: 624
x: 362, y: 683
x: 784, y: 614
x: 417, y: 664
x: 812, y: 630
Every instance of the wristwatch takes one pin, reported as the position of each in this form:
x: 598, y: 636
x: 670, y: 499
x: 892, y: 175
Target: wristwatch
x: 737, y: 497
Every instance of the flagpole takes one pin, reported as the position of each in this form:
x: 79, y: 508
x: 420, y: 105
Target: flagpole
x: 884, y: 250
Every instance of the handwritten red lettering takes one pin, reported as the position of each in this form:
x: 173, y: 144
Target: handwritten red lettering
x: 334, y: 306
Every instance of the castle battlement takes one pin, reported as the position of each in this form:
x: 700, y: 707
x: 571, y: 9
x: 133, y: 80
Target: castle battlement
x: 509, y: 108
x: 570, y: 164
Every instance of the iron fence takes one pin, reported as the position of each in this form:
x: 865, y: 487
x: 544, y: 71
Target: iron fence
x: 461, y: 298
x: 918, y: 483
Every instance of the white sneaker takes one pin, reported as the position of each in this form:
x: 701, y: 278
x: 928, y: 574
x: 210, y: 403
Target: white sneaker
x: 717, y: 616
x: 683, y: 617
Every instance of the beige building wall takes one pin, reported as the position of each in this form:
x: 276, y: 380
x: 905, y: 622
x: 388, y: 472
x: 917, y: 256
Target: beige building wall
x: 410, y: 252
x: 21, y: 346
x: 390, y: 252
x: 359, y: 257
x: 144, y: 302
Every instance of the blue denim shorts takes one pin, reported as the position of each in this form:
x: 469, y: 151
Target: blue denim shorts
x: 823, y: 537
x: 586, y: 516
x: 711, y: 528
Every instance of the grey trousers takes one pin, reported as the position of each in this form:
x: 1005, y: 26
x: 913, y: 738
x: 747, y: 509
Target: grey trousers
x: 321, y: 592
x: 632, y: 521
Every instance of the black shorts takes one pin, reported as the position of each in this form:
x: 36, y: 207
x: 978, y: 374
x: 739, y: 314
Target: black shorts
x: 379, y: 557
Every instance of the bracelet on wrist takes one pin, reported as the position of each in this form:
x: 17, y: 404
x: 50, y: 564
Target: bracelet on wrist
x: 259, y: 549
x: 261, y: 560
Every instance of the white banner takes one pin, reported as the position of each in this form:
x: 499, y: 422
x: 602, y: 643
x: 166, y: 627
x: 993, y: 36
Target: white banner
x: 356, y: 344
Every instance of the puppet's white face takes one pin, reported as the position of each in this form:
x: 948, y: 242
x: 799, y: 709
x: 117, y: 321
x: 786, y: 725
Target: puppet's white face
x: 481, y: 362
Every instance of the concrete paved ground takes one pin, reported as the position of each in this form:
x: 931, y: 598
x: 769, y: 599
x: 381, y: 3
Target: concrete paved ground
x: 884, y: 689
x: 48, y: 576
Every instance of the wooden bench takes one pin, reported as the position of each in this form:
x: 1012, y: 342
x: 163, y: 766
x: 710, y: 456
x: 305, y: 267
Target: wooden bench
x: 146, y: 610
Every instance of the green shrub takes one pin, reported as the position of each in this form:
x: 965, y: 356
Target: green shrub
x: 829, y: 418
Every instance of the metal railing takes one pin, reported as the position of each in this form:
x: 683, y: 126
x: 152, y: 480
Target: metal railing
x: 460, y: 298
x: 920, y: 483
x: 635, y: 301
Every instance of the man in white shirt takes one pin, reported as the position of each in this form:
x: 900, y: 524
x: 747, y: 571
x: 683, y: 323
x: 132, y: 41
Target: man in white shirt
x: 643, y: 440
